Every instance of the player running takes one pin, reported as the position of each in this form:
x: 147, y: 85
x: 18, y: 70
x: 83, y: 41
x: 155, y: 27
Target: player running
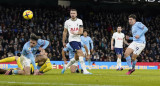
x: 28, y: 55
x: 87, y: 41
x: 74, y: 26
x: 138, y: 44
x: 118, y: 47
x: 72, y: 64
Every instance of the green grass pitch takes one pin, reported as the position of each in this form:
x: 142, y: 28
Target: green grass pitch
x: 98, y: 78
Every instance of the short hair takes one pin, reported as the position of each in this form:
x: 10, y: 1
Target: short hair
x: 34, y: 37
x: 119, y: 26
x: 132, y: 16
x: 85, y: 31
x: 73, y: 10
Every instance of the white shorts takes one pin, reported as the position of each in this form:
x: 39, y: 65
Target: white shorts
x: 76, y: 63
x: 25, y: 61
x: 137, y: 47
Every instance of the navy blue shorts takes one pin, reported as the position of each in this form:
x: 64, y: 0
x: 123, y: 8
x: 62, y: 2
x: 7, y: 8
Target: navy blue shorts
x: 119, y: 51
x: 75, y: 45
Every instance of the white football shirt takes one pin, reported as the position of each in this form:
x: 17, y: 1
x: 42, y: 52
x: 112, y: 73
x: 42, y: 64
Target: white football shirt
x: 118, y: 39
x: 73, y: 26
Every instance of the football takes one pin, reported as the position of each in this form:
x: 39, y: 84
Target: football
x: 27, y: 14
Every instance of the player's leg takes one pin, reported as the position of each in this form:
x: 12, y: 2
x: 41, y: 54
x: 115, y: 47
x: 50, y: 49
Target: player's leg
x: 72, y: 61
x: 11, y: 59
x: 88, y: 59
x: 118, y: 52
x: 81, y: 60
x: 139, y: 49
x: 18, y: 62
x: 119, y: 62
x: 127, y: 54
x: 134, y: 60
x: 77, y: 48
x: 26, y: 66
x: 8, y: 59
x: 25, y: 71
x: 120, y: 57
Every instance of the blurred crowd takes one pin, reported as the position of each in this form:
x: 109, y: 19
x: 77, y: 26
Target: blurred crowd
x: 100, y: 23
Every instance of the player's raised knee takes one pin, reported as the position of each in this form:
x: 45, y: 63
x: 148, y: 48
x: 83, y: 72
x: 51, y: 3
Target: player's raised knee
x: 80, y: 53
x: 126, y: 54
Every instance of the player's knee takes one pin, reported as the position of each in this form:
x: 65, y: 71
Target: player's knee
x: 16, y: 57
x: 126, y: 54
x: 80, y: 53
x: 119, y: 56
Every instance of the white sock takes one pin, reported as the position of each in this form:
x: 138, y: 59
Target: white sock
x: 72, y: 61
x: 82, y: 64
x: 118, y: 63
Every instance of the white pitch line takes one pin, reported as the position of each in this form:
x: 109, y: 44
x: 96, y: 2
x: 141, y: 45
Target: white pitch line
x: 69, y: 84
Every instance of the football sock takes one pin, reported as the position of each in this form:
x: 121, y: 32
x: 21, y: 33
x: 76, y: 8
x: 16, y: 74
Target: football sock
x: 128, y: 59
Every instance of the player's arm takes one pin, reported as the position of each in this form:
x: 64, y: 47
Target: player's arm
x: 112, y: 43
x: 125, y: 42
x: 91, y: 45
x: 63, y: 56
x: 64, y: 37
x: 45, y: 43
x: 113, y: 37
x: 31, y: 57
x: 64, y: 50
x: 143, y: 28
x: 27, y: 50
x: 129, y: 38
x: 80, y: 30
x: 33, y: 60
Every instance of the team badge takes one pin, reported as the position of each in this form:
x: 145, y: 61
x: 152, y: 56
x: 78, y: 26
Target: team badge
x: 29, y: 48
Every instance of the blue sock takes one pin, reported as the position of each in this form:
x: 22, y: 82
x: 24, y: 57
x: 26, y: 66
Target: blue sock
x: 89, y: 61
x: 134, y: 64
x: 38, y: 67
x: 84, y: 59
x: 15, y: 71
x: 128, y: 59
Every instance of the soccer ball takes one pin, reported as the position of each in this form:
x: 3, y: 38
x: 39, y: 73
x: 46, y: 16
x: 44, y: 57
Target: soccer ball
x: 27, y: 14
